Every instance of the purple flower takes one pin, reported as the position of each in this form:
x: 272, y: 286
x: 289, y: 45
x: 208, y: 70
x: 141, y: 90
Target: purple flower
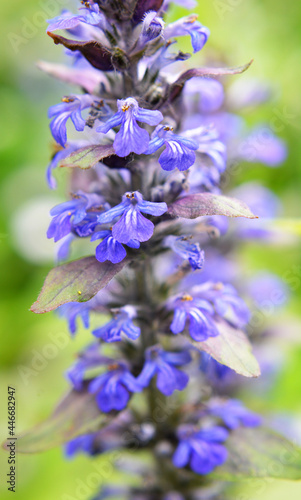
x: 268, y: 289
x: 259, y: 198
x: 264, y: 203
x: 132, y: 225
x: 178, y: 152
x: 110, y: 249
x: 209, y: 145
x: 113, y: 388
x: 163, y: 58
x: 189, y: 26
x: 82, y: 74
x: 190, y: 251
x: 89, y: 14
x: 64, y: 248
x: 219, y: 268
x: 209, y: 92
x: 225, y: 300
x: 76, y: 57
x: 60, y: 155
x: 200, y: 313
x: 264, y: 147
x: 68, y: 215
x: 163, y: 364
x: 173, y: 495
x: 221, y: 223
x: 251, y: 92
x: 74, y: 310
x: 130, y: 138
x: 152, y: 28
x: 200, y: 449
x: 70, y: 107
x: 83, y: 443
x: 89, y: 359
x: 233, y: 413
x: 122, y: 323
x: 202, y: 177
x: 228, y: 125
x: 216, y: 372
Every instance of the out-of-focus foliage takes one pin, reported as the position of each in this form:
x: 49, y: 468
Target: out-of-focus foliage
x: 35, y: 350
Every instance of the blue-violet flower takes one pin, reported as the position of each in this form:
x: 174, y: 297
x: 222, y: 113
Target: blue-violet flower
x: 163, y: 364
x: 130, y: 138
x: 179, y: 151
x: 121, y: 323
x: 132, y: 225
x: 202, y: 449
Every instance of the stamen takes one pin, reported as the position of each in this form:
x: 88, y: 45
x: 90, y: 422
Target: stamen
x: 125, y: 107
x: 186, y: 298
x: 167, y: 128
x: 96, y: 209
x: 114, y: 366
x: 98, y: 104
x: 219, y: 286
x: 192, y: 19
x: 67, y: 99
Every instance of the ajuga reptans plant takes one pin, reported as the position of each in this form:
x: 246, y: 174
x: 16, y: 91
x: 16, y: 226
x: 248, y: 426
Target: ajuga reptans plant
x: 151, y: 142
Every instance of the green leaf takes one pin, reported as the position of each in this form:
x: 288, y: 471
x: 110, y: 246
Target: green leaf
x: 259, y: 453
x: 77, y: 281
x: 88, y: 156
x: 76, y: 414
x: 205, y: 204
x: 231, y: 348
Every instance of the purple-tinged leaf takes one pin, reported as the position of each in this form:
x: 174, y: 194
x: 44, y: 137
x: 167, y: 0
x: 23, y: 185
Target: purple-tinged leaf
x: 97, y: 55
x: 76, y: 414
x: 259, y: 453
x: 175, y: 89
x: 76, y: 281
x: 208, y: 204
x: 89, y: 79
x: 88, y: 156
x: 143, y: 6
x: 115, y: 161
x: 231, y: 348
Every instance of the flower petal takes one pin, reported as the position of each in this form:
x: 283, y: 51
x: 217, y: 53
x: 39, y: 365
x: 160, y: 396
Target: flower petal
x: 132, y: 226
x: 130, y: 138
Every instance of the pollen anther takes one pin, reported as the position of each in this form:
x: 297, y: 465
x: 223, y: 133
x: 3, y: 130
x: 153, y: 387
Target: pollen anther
x: 67, y: 99
x: 186, y: 298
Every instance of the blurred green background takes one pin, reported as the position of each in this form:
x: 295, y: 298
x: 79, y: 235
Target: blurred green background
x: 266, y: 30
